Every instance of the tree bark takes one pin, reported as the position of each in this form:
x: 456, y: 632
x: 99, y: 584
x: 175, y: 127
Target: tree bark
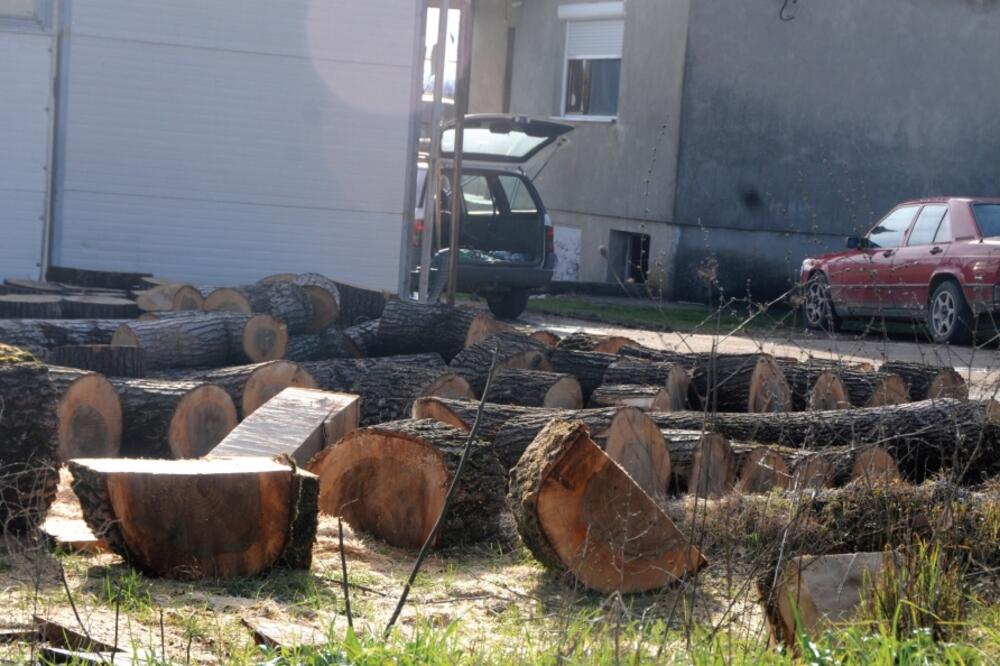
x: 547, y: 338
x: 814, y: 386
x: 873, y: 389
x: 364, y: 337
x: 164, y: 517
x: 741, y: 383
x: 579, y: 512
x: 331, y: 343
x: 283, y: 300
x: 108, y: 360
x: 29, y: 465
x: 838, y: 466
x: 179, y: 342
x: 646, y: 398
x: 926, y: 382
x: 390, y: 480
x: 80, y: 277
x: 98, y: 307
x: 533, y: 388
x: 702, y: 463
x: 172, y: 297
x: 172, y: 419
x: 31, y: 306
x: 462, y: 414
x: 323, y: 295
x: 388, y: 391
x: 40, y: 335
x: 88, y: 414
x: 406, y: 327
x: 588, y: 367
x: 358, y: 304
x: 514, y: 352
x: 606, y: 344
x: 342, y: 373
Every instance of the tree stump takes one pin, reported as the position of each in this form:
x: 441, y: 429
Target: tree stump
x: 283, y: 300
x: 88, y: 414
x: 98, y: 307
x: 606, y: 344
x: 109, y: 360
x: 390, y: 481
x: 31, y: 306
x: 927, y: 382
x: 533, y: 388
x: 578, y: 512
x: 164, y: 517
x: 515, y: 352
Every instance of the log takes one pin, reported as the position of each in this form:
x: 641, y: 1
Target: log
x: 606, y: 344
x: 172, y: 297
x: 636, y: 444
x: 873, y: 389
x: 838, y: 466
x: 29, y: 464
x: 284, y: 300
x: 390, y: 481
x: 297, y: 423
x: 388, y: 390
x: 21, y: 286
x: 323, y: 293
x: 741, y: 383
x: 341, y: 374
x: 703, y: 464
x: 94, y: 279
x: 98, y: 307
x: 814, y: 386
x: 926, y: 382
x: 250, y: 386
x: 513, y: 352
x: 40, y: 335
x: 647, y: 398
x: 31, y: 306
x: 580, y: 513
x: 109, y: 360
x: 358, y: 304
x: 547, y: 338
x: 924, y: 437
x: 331, y: 343
x: 462, y: 414
x: 406, y: 327
x: 761, y: 471
x: 164, y: 517
x: 364, y: 337
x: 173, y: 419
x: 88, y: 414
x: 178, y: 342
x: 588, y: 367
x: 252, y: 338
x: 533, y: 388
x: 673, y: 376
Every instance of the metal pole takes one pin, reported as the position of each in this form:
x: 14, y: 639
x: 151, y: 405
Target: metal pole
x: 461, y: 109
x: 433, y: 190
x: 48, y: 216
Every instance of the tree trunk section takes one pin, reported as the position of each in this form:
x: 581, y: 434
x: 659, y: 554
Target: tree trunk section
x: 171, y: 419
x: 164, y: 517
x: 331, y: 343
x: 926, y: 382
x: 741, y: 383
x: 29, y: 464
x: 409, y: 328
x: 31, y: 306
x: 703, y: 463
x: 358, y: 305
x: 364, y: 337
x: 181, y: 342
x: 88, y: 414
x: 391, y: 480
x: 108, y: 360
x: 98, y: 307
x: 814, y: 386
x: 40, y: 335
x: 547, y: 338
x: 673, y: 376
x: 579, y: 512
x: 533, y: 388
x: 92, y: 279
x: 513, y: 352
x: 341, y: 374
x: 388, y: 391
x: 605, y: 344
x: 283, y: 300
x: 588, y: 367
x: 462, y: 414
x: 323, y: 293
x: 873, y: 389
x: 172, y: 297
x: 646, y: 398
x: 838, y: 466
x: 761, y: 470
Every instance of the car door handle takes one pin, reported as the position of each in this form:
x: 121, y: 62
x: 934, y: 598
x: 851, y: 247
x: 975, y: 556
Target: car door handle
x: 936, y: 250
x: 888, y: 253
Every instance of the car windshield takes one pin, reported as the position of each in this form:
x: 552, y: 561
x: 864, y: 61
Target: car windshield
x: 988, y: 219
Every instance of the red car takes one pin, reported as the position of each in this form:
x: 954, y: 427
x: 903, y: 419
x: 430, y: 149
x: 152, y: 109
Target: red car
x: 933, y: 260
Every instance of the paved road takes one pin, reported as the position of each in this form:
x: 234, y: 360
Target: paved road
x: 979, y: 366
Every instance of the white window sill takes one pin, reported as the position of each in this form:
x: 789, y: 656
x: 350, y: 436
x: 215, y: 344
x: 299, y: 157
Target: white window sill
x: 587, y: 119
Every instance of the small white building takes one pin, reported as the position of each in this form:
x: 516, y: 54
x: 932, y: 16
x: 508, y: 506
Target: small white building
x: 214, y: 141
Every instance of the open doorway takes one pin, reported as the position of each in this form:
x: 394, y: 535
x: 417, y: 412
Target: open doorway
x: 628, y: 257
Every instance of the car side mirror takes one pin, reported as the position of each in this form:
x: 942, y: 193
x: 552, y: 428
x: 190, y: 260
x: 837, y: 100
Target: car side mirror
x: 855, y: 243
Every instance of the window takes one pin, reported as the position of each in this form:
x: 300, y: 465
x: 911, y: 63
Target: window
x: 943, y: 234
x: 926, y: 226
x: 889, y: 232
x: 477, y: 195
x: 593, y: 67
x: 18, y: 9
x: 988, y: 218
x: 518, y: 197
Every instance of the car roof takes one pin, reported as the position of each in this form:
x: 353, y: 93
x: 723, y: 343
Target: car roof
x: 929, y: 200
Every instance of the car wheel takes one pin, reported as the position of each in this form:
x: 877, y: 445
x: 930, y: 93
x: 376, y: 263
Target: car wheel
x: 949, y: 317
x: 817, y: 305
x: 508, y: 304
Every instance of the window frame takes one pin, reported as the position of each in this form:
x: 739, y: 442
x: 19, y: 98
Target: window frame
x: 40, y: 22
x: 580, y: 117
x: 916, y: 220
x: 906, y: 230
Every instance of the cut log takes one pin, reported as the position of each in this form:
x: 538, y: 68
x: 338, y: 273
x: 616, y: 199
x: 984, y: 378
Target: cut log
x: 109, y: 360
x: 647, y: 398
x: 88, y: 413
x: 816, y: 594
x: 164, y: 517
x: 341, y: 374
x: 761, y: 471
x: 358, y: 304
x: 513, y: 352
x: 588, y: 367
x: 407, y: 327
x: 391, y: 480
x: 168, y: 419
x: 579, y: 512
x: 606, y: 344
x: 533, y: 388
x: 923, y: 437
x: 873, y: 389
x: 926, y: 382
x: 95, y: 279
x: 741, y: 383
x: 173, y: 297
x: 703, y: 464
x: 20, y: 286
x: 673, y: 376
x: 31, y: 306
x: 814, y: 386
x: 29, y: 465
x: 838, y: 466
x: 178, y: 342
x: 323, y: 293
x: 388, y: 391
x: 250, y: 386
x: 547, y: 338
x: 41, y: 335
x: 331, y: 343
x: 365, y: 337
x: 635, y: 442
x: 284, y: 300
x: 98, y: 307
x: 260, y: 338
x: 297, y: 423
x: 462, y: 414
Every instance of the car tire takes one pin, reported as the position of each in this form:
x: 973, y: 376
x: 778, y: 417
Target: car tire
x: 817, y: 305
x: 508, y: 304
x: 949, y: 317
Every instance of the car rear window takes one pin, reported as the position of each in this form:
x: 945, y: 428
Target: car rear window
x: 988, y: 219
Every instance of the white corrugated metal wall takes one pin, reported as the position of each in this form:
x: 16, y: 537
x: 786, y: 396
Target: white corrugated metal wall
x: 221, y: 141
x: 25, y: 75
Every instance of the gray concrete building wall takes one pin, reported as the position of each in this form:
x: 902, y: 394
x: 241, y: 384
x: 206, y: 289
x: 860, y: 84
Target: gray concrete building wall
x: 796, y: 134
x: 613, y: 176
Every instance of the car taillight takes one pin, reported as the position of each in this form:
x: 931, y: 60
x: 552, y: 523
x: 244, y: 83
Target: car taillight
x: 550, y: 239
x: 418, y: 230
